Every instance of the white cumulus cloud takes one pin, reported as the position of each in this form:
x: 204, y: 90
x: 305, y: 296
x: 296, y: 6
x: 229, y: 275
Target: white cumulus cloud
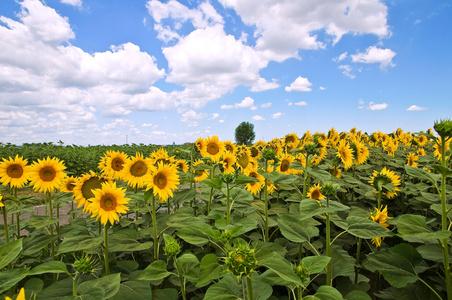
x: 248, y: 102
x: 415, y: 107
x: 301, y: 103
x: 377, y: 106
x: 375, y: 55
x: 300, y: 85
x: 258, y: 118
x: 278, y: 115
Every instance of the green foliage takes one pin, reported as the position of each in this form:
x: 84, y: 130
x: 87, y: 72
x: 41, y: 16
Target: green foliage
x: 244, y: 134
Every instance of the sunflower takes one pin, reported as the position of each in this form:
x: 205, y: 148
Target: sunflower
x: 68, y: 184
x: 136, y: 171
x: 200, y: 144
x: 214, y: 148
x: 437, y: 148
x: 200, y: 175
x: 255, y: 153
x: 284, y: 165
x: 85, y: 186
x: 243, y: 160
x: 390, y: 146
x: 114, y: 164
x: 314, y: 192
x: 361, y: 153
x: 103, y: 160
x: 411, y: 160
x: 421, y: 152
x: 422, y: 140
x: 181, y: 165
x: 14, y: 172
x: 344, y: 152
x: 255, y: 187
x: 321, y: 154
x: 270, y: 186
x: 161, y: 155
x: 291, y: 138
x: 163, y: 181
x: 20, y: 296
x: 46, y: 175
x: 230, y: 147
x: 380, y: 216
x: 228, y: 163
x: 107, y: 202
x: 385, y: 176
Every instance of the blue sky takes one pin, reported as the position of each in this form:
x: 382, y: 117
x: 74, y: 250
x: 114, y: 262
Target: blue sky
x: 106, y: 72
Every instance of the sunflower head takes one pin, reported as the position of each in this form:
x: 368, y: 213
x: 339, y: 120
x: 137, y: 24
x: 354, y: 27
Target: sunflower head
x: 14, y: 172
x: 315, y: 192
x: 114, y: 164
x: 411, y: 160
x: 108, y: 202
x: 46, y: 175
x: 284, y: 165
x: 254, y: 187
x: 380, y: 216
x: 344, y: 152
x: 200, y: 173
x: 163, y: 181
x: 68, y: 184
x: 230, y: 147
x: 136, y: 171
x: 214, y: 148
x: 385, y: 180
x: 228, y: 162
x: 182, y: 165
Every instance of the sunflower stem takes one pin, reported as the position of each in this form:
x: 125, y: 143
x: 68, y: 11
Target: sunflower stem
x: 249, y: 287
x: 154, y: 225
x: 181, y: 278
x: 305, y: 183
x: 5, y: 223
x: 379, y: 199
x: 228, y: 208
x: 107, y: 263
x: 266, y: 205
x: 52, y: 244
x: 444, y: 226
x: 358, y: 252
x: 328, y: 244
x: 74, y: 285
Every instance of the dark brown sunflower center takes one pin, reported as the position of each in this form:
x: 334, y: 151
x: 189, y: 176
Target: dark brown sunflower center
x: 228, y: 148
x: 89, y: 185
x: 138, y: 169
x: 315, y: 194
x: 117, y: 164
x: 212, y: 148
x: 199, y: 172
x: 285, y: 164
x: 70, y: 186
x: 254, y: 175
x: 47, y: 174
x: 290, y: 139
x: 254, y: 152
x: 108, y: 202
x: 160, y: 180
x: 227, y: 163
x: 243, y: 160
x: 15, y: 171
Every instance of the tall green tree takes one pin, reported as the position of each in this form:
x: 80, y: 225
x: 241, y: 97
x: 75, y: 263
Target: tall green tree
x: 244, y: 134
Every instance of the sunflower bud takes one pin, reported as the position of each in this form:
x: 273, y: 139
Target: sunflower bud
x: 172, y: 247
x: 85, y: 264
x: 443, y: 128
x: 302, y: 273
x: 329, y: 189
x: 226, y: 177
x: 225, y: 236
x: 310, y: 148
x: 241, y: 260
x: 268, y: 154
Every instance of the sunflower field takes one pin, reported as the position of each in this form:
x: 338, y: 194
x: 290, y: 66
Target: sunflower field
x: 322, y: 216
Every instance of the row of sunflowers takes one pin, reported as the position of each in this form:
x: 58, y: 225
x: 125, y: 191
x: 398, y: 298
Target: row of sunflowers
x: 320, y: 216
